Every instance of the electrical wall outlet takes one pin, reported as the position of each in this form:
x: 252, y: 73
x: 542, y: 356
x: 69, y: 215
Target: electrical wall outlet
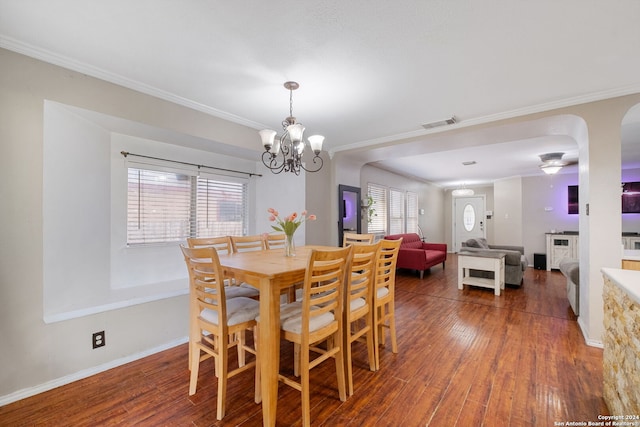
x: 99, y: 339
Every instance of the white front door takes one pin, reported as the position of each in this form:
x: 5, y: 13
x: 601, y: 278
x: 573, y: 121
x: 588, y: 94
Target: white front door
x: 468, y: 219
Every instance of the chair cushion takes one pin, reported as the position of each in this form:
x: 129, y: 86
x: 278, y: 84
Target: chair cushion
x: 382, y: 292
x: 243, y: 290
x: 357, y: 303
x: 239, y: 310
x: 293, y: 323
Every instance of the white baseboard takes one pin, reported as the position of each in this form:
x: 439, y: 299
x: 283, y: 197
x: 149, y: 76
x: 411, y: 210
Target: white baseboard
x: 588, y: 341
x: 49, y: 385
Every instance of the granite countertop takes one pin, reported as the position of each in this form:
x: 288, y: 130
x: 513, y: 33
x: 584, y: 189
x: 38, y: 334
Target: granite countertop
x: 627, y: 280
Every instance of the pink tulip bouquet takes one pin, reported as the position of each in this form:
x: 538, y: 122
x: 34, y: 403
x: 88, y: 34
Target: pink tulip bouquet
x: 289, y: 224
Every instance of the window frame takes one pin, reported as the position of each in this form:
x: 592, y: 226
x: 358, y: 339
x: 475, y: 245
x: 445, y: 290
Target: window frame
x: 192, y: 229
x: 383, y: 208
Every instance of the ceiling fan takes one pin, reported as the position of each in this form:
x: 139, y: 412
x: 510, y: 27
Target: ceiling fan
x: 553, y: 162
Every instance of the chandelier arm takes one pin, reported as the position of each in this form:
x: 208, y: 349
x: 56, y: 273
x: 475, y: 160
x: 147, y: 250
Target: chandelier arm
x: 316, y: 159
x: 271, y: 162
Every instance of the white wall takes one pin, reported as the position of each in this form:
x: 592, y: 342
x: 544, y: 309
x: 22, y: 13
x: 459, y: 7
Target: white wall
x: 34, y: 355
x: 507, y: 211
x: 544, y: 208
x: 284, y: 192
x: 84, y: 211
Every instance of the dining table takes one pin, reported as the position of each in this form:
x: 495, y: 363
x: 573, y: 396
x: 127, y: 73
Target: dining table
x: 271, y: 272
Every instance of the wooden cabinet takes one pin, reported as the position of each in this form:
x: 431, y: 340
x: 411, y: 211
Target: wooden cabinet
x: 628, y: 264
x: 560, y: 246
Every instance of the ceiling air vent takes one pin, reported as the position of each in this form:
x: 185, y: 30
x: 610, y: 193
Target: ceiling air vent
x: 451, y: 120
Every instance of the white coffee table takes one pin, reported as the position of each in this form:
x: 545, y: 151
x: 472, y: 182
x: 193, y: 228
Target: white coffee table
x: 488, y: 262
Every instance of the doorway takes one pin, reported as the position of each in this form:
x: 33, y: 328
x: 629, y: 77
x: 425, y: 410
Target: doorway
x: 349, y: 206
x: 468, y: 219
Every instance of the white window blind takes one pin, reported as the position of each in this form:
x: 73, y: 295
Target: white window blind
x: 379, y: 220
x: 220, y: 208
x: 396, y: 211
x: 412, y: 212
x: 165, y: 206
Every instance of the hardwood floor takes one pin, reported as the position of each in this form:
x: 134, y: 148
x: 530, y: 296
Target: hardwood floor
x: 466, y: 358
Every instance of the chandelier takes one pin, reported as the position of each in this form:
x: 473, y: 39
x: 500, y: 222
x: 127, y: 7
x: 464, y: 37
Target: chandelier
x: 285, y: 154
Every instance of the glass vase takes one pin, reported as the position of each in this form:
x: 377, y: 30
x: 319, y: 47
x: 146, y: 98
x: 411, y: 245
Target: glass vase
x: 289, y: 245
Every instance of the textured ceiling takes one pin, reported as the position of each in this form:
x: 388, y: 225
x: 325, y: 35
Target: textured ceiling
x: 370, y: 71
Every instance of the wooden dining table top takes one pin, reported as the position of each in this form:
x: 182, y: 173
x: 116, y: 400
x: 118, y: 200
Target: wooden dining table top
x: 271, y: 264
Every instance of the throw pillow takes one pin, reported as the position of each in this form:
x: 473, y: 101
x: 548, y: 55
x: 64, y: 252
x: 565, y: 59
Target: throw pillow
x: 477, y: 243
x: 483, y: 243
x: 472, y: 243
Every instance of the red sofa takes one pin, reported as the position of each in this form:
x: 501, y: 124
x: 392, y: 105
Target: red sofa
x: 415, y: 254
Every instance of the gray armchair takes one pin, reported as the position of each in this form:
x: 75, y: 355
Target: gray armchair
x: 515, y: 263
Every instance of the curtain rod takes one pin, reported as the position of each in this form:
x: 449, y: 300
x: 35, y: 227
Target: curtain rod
x: 126, y: 153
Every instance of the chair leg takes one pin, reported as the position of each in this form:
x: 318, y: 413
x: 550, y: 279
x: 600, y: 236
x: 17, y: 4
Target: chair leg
x: 376, y: 338
x: 347, y: 351
x: 392, y: 328
x: 195, y: 364
x: 421, y: 274
x: 304, y: 387
x: 223, y: 365
x: 296, y: 359
x: 370, y: 345
x: 340, y: 362
x: 240, y: 343
x: 258, y: 381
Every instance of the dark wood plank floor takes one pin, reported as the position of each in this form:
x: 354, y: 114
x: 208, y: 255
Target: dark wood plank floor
x: 466, y: 358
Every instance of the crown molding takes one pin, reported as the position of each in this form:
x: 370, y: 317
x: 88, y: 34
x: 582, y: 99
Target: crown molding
x: 533, y: 109
x: 81, y: 67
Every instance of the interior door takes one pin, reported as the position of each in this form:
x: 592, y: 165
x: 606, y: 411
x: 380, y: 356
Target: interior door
x: 468, y: 220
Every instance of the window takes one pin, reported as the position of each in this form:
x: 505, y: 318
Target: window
x: 378, y: 222
x: 412, y: 212
x: 167, y: 206
x: 220, y: 208
x: 396, y: 211
x: 398, y: 206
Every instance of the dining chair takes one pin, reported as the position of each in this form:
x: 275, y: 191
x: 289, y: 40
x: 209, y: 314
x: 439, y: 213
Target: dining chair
x: 317, y: 319
x: 358, y: 297
x: 221, y: 243
x: 384, y: 296
x: 356, y: 238
x: 223, y: 246
x: 218, y: 323
x: 248, y: 243
x: 274, y: 241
